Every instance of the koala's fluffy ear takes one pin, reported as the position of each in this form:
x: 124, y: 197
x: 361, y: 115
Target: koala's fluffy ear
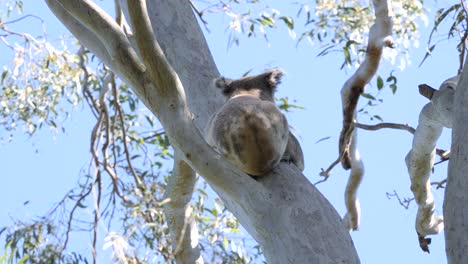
x: 224, y: 84
x: 273, y: 78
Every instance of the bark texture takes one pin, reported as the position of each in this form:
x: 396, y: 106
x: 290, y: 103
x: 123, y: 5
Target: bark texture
x: 380, y: 36
x: 179, y: 213
x: 456, y: 193
x: 433, y: 118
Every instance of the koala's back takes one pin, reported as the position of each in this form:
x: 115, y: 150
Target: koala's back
x: 251, y: 133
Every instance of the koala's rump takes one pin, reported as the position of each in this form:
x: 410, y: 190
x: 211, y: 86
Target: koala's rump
x: 250, y: 133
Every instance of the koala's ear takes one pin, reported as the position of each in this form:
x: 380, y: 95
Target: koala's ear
x: 224, y: 84
x: 273, y: 77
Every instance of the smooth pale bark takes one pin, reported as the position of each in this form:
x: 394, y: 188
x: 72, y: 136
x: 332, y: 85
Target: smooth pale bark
x: 286, y: 214
x: 420, y: 161
x: 290, y: 226
x: 456, y: 193
x: 380, y: 36
x: 179, y: 213
x: 434, y: 116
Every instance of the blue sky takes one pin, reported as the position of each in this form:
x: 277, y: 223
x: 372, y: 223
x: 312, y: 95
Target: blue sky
x: 43, y: 168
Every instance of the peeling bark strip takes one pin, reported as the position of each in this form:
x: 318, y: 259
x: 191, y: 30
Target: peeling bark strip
x: 281, y: 210
x: 433, y: 118
x: 379, y: 37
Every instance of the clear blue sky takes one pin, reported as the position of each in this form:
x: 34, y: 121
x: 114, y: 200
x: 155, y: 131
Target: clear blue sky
x: 43, y: 168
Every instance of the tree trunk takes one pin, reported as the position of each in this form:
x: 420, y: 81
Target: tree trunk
x: 287, y: 216
x: 456, y: 193
x: 283, y: 211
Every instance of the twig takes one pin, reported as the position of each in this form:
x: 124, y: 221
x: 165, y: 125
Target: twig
x: 326, y: 173
x: 96, y: 214
x: 118, y: 109
x: 200, y: 15
x: 70, y: 217
x: 440, y: 185
x: 386, y: 125
x: 443, y: 154
x: 21, y: 18
x: 85, y: 84
x: 405, y: 202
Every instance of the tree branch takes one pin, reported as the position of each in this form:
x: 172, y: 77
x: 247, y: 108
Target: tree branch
x: 168, y: 101
x: 379, y: 37
x: 455, y: 200
x: 386, y: 125
x: 179, y: 213
x: 283, y: 194
x: 420, y: 159
x: 86, y: 37
x: 103, y: 26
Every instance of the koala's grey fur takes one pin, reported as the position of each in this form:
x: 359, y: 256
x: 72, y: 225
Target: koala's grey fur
x: 249, y: 129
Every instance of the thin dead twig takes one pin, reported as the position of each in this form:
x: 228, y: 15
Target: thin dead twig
x: 403, y: 202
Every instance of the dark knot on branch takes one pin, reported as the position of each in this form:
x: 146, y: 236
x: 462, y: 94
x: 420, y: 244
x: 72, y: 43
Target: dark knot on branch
x: 426, y: 91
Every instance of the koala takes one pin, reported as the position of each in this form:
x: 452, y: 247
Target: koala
x: 249, y: 130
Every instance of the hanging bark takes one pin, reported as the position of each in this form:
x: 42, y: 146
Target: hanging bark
x: 433, y: 118
x: 380, y: 36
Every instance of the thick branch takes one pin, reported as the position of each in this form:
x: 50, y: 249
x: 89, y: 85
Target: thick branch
x: 111, y: 36
x: 159, y: 69
x: 179, y: 213
x: 433, y: 118
x: 379, y: 37
x: 168, y: 102
x: 86, y: 36
x: 351, y: 219
x: 419, y: 162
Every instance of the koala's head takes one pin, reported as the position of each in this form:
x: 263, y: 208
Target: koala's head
x: 262, y: 85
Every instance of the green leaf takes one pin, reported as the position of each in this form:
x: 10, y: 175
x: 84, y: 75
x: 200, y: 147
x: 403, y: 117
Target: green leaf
x: 428, y: 52
x: 4, y: 74
x: 392, y: 79
x: 288, y: 21
x: 379, y: 83
x: 393, y: 87
x: 22, y: 260
x: 378, y: 117
x: 148, y: 118
x: 322, y: 139
x: 251, y: 30
x: 368, y: 96
x: 247, y: 73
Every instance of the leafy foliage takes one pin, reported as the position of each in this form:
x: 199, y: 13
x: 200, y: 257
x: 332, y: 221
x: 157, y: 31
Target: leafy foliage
x: 333, y: 25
